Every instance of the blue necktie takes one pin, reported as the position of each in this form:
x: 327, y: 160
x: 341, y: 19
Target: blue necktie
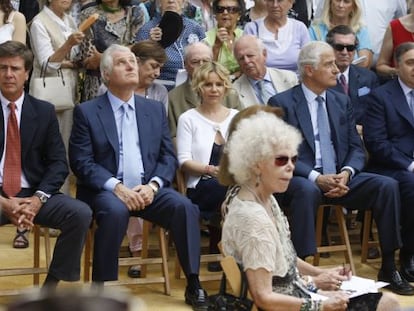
x: 327, y: 150
x: 263, y: 92
x: 132, y: 163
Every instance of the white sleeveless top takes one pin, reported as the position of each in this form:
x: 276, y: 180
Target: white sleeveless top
x: 7, y: 30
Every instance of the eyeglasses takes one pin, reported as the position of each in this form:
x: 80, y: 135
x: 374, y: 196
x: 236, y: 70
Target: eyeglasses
x: 229, y: 9
x: 341, y: 47
x: 283, y: 160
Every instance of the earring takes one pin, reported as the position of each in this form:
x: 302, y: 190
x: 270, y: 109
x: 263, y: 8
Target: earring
x: 258, y: 180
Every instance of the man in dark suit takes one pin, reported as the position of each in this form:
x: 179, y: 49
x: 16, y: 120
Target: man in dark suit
x: 121, y: 151
x: 330, y: 163
x: 389, y: 139
x: 353, y: 80
x: 34, y: 166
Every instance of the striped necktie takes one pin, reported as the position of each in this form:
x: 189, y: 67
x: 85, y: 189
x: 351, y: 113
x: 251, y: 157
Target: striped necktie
x: 12, y: 163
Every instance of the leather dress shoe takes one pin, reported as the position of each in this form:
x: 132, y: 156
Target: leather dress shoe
x: 407, y: 267
x: 373, y: 253
x: 197, y: 298
x: 134, y: 272
x: 397, y: 283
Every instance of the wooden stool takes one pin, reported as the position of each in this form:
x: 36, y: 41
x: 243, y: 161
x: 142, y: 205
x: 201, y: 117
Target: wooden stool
x: 144, y: 260
x: 366, y: 243
x: 345, y: 247
x: 36, y: 270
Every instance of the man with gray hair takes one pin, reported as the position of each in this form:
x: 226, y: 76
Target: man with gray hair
x: 122, y: 154
x: 183, y: 97
x: 389, y: 138
x: 258, y: 83
x: 331, y: 160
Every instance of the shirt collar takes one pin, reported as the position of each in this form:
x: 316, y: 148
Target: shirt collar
x: 265, y: 78
x: 5, y: 102
x: 310, y: 95
x: 406, y: 89
x: 116, y: 103
x: 345, y: 73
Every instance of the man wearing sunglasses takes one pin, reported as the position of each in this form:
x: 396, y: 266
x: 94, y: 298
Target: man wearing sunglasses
x: 331, y: 160
x: 389, y: 138
x: 353, y: 80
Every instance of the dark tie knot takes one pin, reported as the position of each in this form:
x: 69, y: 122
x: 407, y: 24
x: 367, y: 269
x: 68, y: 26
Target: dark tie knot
x: 12, y: 106
x: 319, y: 99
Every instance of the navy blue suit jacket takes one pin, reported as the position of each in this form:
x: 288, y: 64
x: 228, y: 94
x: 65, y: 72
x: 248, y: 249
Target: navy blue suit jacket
x: 361, y: 82
x: 94, y: 145
x: 389, y: 127
x: 346, y: 141
x: 43, y: 153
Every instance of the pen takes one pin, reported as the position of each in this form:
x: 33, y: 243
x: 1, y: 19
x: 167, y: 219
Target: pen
x: 343, y: 269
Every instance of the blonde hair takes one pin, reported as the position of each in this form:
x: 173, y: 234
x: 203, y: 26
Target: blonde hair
x: 355, y: 17
x: 201, y: 75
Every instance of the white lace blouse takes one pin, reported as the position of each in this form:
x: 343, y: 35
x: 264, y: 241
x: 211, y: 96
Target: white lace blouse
x: 253, y: 239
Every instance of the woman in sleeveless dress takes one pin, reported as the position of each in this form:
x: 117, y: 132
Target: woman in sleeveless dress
x: 12, y: 23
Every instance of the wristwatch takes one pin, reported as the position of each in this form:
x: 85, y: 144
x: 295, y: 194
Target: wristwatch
x: 43, y: 197
x: 154, y: 186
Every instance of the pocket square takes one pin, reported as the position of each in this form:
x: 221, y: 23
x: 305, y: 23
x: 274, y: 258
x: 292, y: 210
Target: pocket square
x: 363, y: 91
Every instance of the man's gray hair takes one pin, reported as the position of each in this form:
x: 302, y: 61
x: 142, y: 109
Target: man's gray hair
x: 107, y: 60
x: 255, y: 40
x: 189, y: 49
x: 310, y: 54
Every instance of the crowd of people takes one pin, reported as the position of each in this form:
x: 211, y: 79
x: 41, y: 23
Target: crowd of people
x: 157, y: 86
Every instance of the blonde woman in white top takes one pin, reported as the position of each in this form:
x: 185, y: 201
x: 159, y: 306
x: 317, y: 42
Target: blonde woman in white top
x: 201, y: 134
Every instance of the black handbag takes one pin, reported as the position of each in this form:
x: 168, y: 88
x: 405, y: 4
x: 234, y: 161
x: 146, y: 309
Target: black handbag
x: 224, y: 301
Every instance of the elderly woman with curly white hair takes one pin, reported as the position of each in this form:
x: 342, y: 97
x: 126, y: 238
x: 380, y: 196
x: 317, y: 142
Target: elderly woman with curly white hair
x: 260, y: 157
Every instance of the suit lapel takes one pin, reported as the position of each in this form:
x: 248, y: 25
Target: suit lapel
x: 397, y: 97
x: 190, y: 95
x: 2, y: 132
x: 277, y: 80
x: 28, y: 125
x: 353, y: 82
x: 106, y: 116
x: 333, y: 117
x: 247, y: 92
x: 303, y: 116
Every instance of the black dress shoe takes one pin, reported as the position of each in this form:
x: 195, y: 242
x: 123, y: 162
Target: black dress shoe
x: 198, y: 299
x: 134, y: 272
x: 407, y: 267
x: 373, y: 253
x: 397, y: 283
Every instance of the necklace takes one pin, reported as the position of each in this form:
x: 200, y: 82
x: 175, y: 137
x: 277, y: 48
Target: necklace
x: 109, y: 9
x: 269, y: 211
x: 261, y: 202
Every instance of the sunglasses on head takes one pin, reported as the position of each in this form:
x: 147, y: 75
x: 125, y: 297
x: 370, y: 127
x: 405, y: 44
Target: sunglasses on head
x: 229, y: 9
x: 341, y: 47
x: 283, y: 160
